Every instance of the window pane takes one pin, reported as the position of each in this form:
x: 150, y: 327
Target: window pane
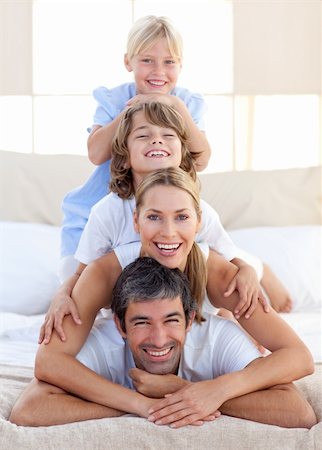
x: 61, y: 124
x: 286, y: 132
x: 219, y: 127
x: 206, y: 29
x: 16, y: 123
x: 79, y: 45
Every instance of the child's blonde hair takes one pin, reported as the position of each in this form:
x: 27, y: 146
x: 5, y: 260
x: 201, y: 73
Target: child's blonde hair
x: 195, y: 269
x: 148, y: 30
x: 159, y: 114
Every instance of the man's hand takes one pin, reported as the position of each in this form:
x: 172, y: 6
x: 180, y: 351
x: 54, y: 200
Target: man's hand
x: 191, y: 405
x: 156, y: 386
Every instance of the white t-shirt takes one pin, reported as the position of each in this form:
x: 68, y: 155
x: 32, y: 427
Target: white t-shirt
x: 213, y: 348
x: 110, y: 225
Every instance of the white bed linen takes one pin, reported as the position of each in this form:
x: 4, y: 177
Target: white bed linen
x: 19, y: 335
x: 19, y: 338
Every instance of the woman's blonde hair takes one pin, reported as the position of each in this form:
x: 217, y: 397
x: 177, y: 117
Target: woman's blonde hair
x: 196, y: 265
x: 148, y: 30
x: 159, y: 114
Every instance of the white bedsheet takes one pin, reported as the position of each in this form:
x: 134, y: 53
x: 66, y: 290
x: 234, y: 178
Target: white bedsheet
x: 19, y: 335
x: 19, y: 338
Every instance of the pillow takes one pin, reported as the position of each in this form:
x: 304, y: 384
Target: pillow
x: 294, y: 255
x: 291, y: 197
x: 28, y: 266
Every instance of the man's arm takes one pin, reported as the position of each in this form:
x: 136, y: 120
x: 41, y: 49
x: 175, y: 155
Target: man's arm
x: 56, y: 362
x: 281, y: 405
x: 42, y: 405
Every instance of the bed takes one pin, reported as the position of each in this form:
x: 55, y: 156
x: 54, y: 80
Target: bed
x: 273, y: 214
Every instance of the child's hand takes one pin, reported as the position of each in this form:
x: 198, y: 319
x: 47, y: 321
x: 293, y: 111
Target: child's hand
x: 249, y: 290
x: 61, y: 306
x: 169, y: 100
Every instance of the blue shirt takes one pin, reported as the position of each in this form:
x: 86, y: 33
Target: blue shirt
x: 77, y: 204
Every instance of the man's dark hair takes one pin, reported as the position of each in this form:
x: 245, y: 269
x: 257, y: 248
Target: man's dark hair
x: 144, y: 280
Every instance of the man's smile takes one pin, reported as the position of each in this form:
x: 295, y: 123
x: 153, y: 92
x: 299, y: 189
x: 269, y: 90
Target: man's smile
x: 158, y: 353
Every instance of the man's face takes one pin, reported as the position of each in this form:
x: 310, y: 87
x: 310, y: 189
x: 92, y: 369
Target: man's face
x: 156, y: 331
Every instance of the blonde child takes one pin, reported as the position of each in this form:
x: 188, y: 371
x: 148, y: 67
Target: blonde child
x: 154, y: 55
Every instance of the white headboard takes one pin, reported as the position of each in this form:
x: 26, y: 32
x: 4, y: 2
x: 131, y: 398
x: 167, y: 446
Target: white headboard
x: 32, y: 187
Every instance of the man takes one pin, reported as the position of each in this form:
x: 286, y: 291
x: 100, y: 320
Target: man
x: 183, y: 372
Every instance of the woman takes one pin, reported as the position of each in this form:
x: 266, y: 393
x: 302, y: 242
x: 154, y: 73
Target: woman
x: 167, y: 230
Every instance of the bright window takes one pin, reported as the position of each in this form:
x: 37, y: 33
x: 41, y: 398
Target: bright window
x: 79, y: 45
x: 16, y: 123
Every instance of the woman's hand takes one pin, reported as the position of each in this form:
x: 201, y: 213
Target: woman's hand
x: 61, y: 305
x: 249, y: 290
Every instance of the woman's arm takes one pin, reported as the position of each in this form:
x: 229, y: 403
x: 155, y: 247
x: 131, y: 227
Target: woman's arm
x: 289, y: 353
x: 61, y: 305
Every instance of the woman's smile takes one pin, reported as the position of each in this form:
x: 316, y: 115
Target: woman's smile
x: 168, y: 231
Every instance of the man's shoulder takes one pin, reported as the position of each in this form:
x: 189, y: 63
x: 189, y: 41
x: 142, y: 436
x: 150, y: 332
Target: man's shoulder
x: 105, y: 329
x: 206, y: 331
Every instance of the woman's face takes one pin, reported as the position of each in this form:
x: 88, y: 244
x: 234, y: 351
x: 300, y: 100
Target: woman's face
x: 151, y: 147
x: 167, y: 222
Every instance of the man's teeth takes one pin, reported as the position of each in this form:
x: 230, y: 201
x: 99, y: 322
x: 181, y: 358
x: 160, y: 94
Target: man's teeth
x: 161, y: 353
x: 168, y: 246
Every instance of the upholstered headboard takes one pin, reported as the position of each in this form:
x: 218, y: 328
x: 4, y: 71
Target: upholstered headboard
x: 33, y: 186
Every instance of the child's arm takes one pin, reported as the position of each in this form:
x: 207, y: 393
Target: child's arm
x: 99, y: 142
x: 197, y: 142
x: 61, y: 305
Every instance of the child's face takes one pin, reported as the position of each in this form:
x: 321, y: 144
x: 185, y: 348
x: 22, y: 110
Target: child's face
x: 151, y: 147
x: 154, y: 69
